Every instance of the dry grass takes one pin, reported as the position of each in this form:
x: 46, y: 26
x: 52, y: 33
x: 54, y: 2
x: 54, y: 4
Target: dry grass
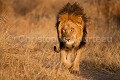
x: 28, y: 34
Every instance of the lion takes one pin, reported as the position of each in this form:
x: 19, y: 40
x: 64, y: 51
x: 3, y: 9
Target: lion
x: 71, y: 30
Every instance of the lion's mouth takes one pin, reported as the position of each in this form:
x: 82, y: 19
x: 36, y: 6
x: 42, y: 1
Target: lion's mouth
x: 69, y: 43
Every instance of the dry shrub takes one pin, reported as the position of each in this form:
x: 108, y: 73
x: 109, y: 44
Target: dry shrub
x: 1, y: 5
x: 22, y: 7
x: 110, y: 9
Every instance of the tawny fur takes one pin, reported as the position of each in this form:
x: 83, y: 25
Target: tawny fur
x: 71, y: 29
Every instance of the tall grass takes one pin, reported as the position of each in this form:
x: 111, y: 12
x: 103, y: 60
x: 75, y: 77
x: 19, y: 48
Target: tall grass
x: 28, y: 34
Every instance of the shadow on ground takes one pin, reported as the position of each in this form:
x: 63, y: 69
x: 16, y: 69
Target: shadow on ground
x: 97, y: 74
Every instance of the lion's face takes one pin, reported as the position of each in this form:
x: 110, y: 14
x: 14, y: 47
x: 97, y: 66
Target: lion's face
x: 70, y: 33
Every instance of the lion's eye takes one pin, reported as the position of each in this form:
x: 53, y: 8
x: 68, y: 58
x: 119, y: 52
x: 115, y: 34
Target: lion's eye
x: 63, y: 31
x: 72, y: 30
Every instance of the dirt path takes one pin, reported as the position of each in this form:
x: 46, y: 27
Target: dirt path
x: 98, y: 75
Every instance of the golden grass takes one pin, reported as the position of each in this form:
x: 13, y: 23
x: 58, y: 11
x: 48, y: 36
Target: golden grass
x: 27, y: 40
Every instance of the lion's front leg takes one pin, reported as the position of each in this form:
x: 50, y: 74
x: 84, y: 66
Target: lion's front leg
x: 57, y: 48
x: 77, y: 60
x: 64, y: 59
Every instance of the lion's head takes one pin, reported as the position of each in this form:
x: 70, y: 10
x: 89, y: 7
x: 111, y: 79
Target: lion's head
x: 71, y: 26
x: 70, y: 30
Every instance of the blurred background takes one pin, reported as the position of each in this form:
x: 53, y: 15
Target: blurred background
x: 28, y: 35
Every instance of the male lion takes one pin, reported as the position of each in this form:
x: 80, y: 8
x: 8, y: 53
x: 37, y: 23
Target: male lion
x: 71, y: 29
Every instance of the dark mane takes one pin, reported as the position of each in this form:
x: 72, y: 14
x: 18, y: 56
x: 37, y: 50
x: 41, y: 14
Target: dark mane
x: 74, y: 9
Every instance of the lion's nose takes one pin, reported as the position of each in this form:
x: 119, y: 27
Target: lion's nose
x: 68, y: 39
